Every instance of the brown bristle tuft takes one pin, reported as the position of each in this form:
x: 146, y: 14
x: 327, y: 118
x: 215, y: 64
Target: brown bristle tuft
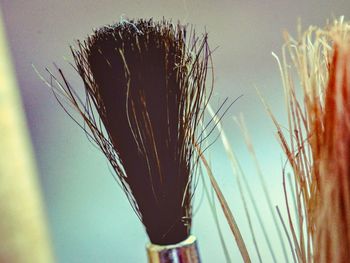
x: 145, y: 98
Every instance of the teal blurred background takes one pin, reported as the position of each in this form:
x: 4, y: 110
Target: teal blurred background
x: 89, y: 217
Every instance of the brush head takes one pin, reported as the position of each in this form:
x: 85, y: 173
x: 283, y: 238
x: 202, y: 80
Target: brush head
x: 145, y: 88
x: 318, y: 142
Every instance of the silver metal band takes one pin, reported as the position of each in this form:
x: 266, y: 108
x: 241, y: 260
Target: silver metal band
x: 183, y: 252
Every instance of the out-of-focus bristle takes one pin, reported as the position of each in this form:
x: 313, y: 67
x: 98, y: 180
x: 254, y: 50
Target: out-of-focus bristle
x: 145, y: 96
x: 318, y: 143
x: 333, y: 210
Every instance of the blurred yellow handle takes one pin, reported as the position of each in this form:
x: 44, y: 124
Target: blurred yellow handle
x: 23, y: 230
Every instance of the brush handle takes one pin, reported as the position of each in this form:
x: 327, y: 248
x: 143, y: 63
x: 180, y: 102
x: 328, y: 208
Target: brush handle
x: 23, y: 231
x: 183, y: 252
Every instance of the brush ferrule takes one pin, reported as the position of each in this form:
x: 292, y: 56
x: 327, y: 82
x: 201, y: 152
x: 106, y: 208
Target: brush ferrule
x: 183, y: 252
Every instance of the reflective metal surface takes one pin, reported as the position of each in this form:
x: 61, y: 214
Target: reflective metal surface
x: 183, y: 252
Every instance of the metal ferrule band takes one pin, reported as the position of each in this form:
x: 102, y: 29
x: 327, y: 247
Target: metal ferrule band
x: 183, y: 252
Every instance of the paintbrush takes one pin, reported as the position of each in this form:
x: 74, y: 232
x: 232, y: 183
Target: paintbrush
x: 145, y: 97
x: 317, y: 144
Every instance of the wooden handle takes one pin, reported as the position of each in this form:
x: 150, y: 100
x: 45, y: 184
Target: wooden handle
x: 23, y: 232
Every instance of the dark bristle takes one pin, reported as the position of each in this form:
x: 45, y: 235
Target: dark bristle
x: 146, y: 81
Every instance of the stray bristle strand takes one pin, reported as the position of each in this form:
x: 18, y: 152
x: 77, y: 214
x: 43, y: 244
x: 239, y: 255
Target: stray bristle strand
x: 146, y: 81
